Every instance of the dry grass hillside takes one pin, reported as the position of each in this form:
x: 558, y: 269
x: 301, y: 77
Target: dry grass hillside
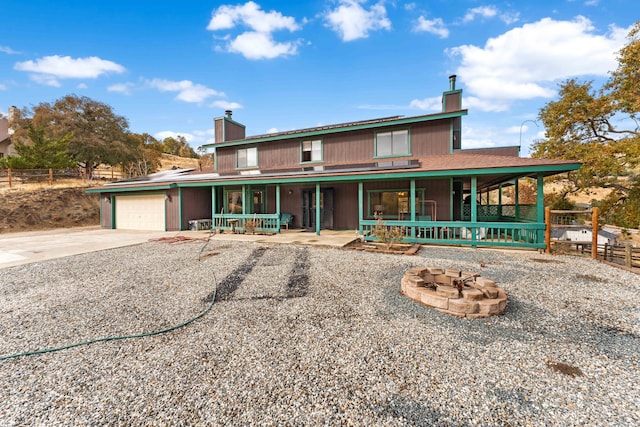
x: 39, y: 206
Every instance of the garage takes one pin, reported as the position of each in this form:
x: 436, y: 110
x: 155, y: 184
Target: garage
x: 146, y: 212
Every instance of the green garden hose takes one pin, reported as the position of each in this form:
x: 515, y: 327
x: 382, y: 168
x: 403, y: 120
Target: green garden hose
x: 122, y: 337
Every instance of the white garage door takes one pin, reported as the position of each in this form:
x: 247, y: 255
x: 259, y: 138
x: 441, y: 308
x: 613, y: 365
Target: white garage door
x: 140, y: 212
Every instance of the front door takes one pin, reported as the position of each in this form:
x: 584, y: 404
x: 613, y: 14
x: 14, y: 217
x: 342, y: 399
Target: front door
x: 309, y: 209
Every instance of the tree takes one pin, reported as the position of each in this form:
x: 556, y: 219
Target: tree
x: 178, y: 147
x: 41, y: 152
x: 142, y: 155
x: 599, y: 128
x: 97, y: 134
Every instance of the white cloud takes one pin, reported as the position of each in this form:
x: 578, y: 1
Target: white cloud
x: 160, y: 136
x: 255, y: 45
x: 3, y: 87
x: 49, y: 69
x: 433, y: 26
x: 482, y: 11
x: 225, y: 105
x: 352, y: 21
x: 123, y: 88
x: 527, y: 62
x: 488, y: 12
x: 258, y: 41
x: 82, y: 86
x: 8, y: 50
x: 433, y: 103
x: 187, y: 90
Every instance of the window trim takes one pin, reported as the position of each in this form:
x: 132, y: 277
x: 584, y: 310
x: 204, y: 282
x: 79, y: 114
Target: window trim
x: 302, y: 161
x: 247, y: 166
x: 375, y: 144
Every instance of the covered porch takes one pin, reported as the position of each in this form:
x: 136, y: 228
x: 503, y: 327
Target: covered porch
x: 442, y: 212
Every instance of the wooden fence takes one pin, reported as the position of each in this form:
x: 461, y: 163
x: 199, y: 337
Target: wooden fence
x: 625, y: 255
x: 17, y: 177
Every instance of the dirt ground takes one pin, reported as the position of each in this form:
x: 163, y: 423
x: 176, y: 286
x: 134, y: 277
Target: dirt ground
x: 45, y: 208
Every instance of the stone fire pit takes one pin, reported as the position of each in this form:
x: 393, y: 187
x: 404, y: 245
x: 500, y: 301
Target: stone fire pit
x: 454, y: 292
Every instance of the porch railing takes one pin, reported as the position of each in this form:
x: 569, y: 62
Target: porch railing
x: 501, y: 212
x: 238, y: 222
x: 515, y: 234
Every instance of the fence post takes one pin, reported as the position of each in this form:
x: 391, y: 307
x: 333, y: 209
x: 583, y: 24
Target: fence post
x: 9, y: 175
x: 594, y: 233
x: 627, y: 255
x: 50, y: 177
x: 547, y: 230
x: 606, y: 247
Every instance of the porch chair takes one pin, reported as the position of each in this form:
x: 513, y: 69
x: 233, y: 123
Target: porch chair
x: 285, y: 219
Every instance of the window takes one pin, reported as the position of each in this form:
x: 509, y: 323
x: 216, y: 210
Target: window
x: 247, y: 158
x: 312, y: 151
x: 394, y: 143
x: 393, y: 204
x: 234, y: 202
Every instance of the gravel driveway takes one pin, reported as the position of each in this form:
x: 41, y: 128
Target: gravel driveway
x: 313, y: 336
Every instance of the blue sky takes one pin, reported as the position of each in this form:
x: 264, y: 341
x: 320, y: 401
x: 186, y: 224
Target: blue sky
x: 170, y: 67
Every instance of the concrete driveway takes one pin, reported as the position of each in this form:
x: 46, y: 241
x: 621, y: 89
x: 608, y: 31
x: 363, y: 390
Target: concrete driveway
x: 35, y: 246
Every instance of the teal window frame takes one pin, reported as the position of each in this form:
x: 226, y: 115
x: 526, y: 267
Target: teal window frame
x: 247, y: 165
x: 312, y: 160
x: 420, y: 195
x: 377, y: 138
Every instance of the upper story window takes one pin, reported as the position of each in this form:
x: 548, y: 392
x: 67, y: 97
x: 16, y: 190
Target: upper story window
x: 393, y: 143
x: 312, y: 151
x: 247, y: 158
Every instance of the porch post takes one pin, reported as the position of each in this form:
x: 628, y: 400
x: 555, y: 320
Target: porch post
x: 540, y: 206
x: 412, y: 203
x: 474, y: 209
x: 244, y: 199
x: 360, y: 206
x: 516, y: 193
x: 474, y: 198
x: 278, y: 206
x: 318, y: 219
x: 213, y: 204
x: 500, y: 200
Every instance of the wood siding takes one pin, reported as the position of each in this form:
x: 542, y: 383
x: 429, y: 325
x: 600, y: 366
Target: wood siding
x: 196, y: 204
x: 227, y: 130
x: 172, y: 210
x: 431, y: 138
x: 427, y: 139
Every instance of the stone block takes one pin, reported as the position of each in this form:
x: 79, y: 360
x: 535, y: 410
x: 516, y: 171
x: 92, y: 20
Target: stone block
x: 409, y: 290
x: 443, y: 279
x: 452, y: 273
x: 490, y: 292
x: 432, y: 299
x: 428, y: 278
x: 489, y: 307
x: 417, y: 271
x: 484, y: 282
x: 467, y: 274
x: 447, y: 291
x: 415, y: 280
x: 435, y: 270
x: 472, y: 294
x: 460, y: 305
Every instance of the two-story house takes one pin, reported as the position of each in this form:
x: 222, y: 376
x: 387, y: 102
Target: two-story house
x: 410, y: 171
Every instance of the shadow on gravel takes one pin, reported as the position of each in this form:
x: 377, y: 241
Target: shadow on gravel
x: 297, y: 282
